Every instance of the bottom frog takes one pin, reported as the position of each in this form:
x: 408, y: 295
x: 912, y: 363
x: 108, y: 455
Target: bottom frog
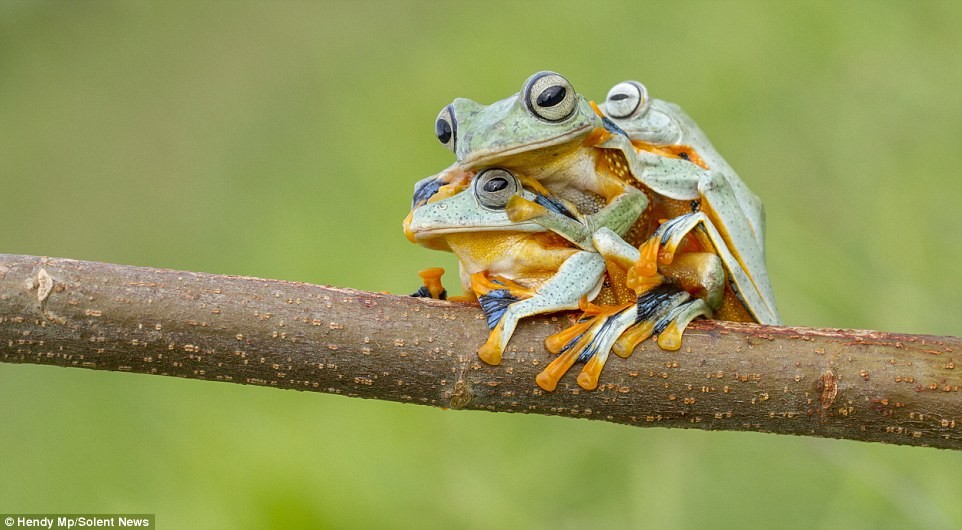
x: 524, y: 252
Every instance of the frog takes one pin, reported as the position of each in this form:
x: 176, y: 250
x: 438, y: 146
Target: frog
x: 730, y: 217
x: 521, y: 265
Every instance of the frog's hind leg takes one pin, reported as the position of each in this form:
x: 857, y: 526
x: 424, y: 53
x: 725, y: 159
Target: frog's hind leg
x: 595, y: 354
x: 698, y: 273
x: 617, y: 217
x: 579, y: 276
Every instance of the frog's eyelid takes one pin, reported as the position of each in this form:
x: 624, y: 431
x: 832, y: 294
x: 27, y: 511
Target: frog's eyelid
x: 446, y: 128
x: 627, y: 100
x: 497, y: 199
x: 549, y: 96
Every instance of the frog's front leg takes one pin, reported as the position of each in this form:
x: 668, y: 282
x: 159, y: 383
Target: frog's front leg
x: 741, y: 222
x: 699, y: 274
x: 618, y: 216
x: 621, y: 213
x: 662, y: 245
x: 579, y: 276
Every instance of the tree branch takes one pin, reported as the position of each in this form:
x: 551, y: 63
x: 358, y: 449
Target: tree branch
x: 860, y: 385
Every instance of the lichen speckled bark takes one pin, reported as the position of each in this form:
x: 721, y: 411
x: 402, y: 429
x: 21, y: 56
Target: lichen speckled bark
x: 860, y: 385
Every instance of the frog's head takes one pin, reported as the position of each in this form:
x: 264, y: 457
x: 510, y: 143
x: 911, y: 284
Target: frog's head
x: 546, y: 113
x: 479, y: 205
x: 641, y: 117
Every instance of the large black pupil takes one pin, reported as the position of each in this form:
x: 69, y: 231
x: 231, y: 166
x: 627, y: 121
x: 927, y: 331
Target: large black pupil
x: 443, y: 130
x: 551, y: 96
x: 619, y: 97
x: 495, y: 184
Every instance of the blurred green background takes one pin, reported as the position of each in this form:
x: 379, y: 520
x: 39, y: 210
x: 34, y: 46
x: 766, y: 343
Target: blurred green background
x: 282, y: 140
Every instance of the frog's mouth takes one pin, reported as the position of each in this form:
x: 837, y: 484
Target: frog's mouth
x: 420, y: 233
x: 489, y: 157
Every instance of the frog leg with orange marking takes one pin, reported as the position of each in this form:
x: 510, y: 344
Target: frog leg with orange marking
x: 581, y: 275
x: 664, y: 307
x: 738, y: 235
x: 666, y: 311
x: 483, y: 284
x: 558, y: 342
x: 700, y: 275
x: 618, y: 216
x: 665, y: 241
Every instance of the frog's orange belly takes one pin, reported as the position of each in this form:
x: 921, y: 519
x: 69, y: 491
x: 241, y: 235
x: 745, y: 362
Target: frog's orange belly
x: 528, y: 259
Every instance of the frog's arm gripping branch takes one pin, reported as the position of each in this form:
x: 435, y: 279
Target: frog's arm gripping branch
x: 860, y: 385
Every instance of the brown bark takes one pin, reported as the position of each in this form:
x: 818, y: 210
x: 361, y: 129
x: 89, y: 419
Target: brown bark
x: 860, y: 385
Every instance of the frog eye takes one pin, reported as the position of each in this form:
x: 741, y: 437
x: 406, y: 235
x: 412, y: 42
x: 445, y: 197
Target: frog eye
x: 628, y: 98
x: 446, y: 128
x: 550, y: 96
x: 493, y: 188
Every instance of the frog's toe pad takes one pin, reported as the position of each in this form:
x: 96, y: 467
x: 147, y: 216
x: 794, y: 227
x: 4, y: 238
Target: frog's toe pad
x: 431, y: 288
x: 670, y: 338
x: 625, y: 345
x: 549, y: 377
x: 493, y: 349
x: 648, y: 262
x: 588, y: 378
x: 490, y: 353
x: 671, y: 328
x: 494, y: 304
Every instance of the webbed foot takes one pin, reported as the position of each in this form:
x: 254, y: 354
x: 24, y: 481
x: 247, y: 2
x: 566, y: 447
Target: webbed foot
x: 590, y: 340
x: 661, y: 247
x: 666, y: 311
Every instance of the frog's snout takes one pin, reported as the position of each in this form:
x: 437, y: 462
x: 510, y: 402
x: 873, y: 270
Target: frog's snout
x: 408, y: 233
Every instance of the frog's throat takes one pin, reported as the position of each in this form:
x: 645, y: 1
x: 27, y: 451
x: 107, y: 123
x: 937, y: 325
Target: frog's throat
x: 485, y: 157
